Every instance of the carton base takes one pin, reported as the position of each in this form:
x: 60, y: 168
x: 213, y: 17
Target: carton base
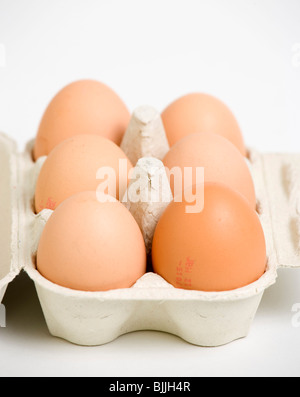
x: 98, y: 318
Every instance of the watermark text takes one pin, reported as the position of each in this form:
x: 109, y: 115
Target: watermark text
x: 296, y: 316
x: 140, y: 185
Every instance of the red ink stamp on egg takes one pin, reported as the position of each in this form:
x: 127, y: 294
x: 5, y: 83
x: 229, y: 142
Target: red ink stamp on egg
x: 51, y: 204
x: 179, y: 273
x: 183, y: 273
x: 189, y: 264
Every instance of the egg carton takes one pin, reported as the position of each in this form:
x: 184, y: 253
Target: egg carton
x: 95, y: 318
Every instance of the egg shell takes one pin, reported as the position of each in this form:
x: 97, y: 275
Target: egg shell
x: 220, y: 248
x: 75, y: 166
x: 199, y: 112
x: 221, y: 160
x: 82, y: 107
x: 92, y: 245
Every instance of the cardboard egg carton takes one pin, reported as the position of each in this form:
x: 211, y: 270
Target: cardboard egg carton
x: 96, y: 318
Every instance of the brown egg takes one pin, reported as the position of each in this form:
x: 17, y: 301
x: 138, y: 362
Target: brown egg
x: 89, y: 245
x: 83, y: 107
x: 81, y: 163
x: 201, y: 113
x: 221, y: 248
x: 221, y: 160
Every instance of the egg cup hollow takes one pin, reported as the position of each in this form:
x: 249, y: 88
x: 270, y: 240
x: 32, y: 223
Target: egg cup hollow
x: 94, y: 318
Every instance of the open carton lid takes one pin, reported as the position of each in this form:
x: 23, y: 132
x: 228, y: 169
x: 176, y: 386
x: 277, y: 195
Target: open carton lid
x: 9, y: 253
x: 277, y: 178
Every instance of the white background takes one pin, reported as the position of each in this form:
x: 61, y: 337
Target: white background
x: 247, y: 53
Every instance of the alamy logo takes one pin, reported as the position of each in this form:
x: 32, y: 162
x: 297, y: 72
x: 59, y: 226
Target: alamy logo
x: 2, y: 56
x: 296, y: 316
x: 2, y: 316
x: 188, y: 185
